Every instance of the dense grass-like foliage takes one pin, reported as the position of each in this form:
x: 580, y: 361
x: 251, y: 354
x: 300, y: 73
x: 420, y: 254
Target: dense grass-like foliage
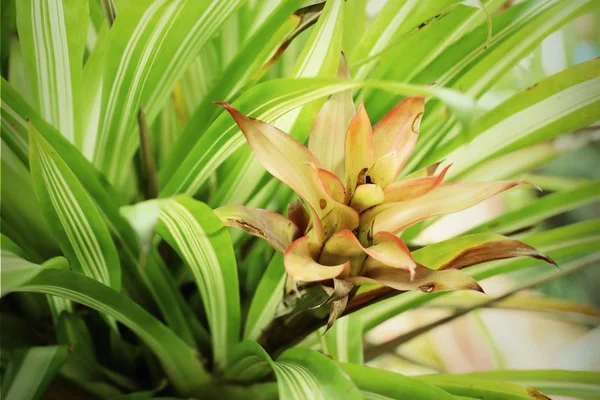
x: 344, y: 131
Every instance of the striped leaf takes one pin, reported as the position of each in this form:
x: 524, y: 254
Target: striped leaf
x: 425, y: 46
x: 197, y: 234
x: 396, y: 18
x: 74, y: 218
x: 379, y: 384
x: 241, y: 71
x: 151, y: 44
x: 52, y: 35
x: 579, y: 384
x: 300, y: 373
x: 561, y: 103
x: 267, y: 297
x: 30, y: 370
x: 548, y: 206
x: 180, y: 361
x: 474, y: 63
x: 22, y: 218
x: 481, y: 389
x: 304, y: 374
x: 157, y: 282
x: 344, y: 341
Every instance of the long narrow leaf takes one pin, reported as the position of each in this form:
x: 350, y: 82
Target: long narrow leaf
x: 180, y: 362
x: 344, y: 341
x: 151, y: 45
x: 239, y: 73
x: 157, y: 281
x: 564, y: 102
x: 198, y: 235
x: 30, y: 370
x: 267, y: 297
x: 76, y: 221
x: 375, y: 383
x: 580, y: 384
x: 541, y: 209
x: 52, y: 35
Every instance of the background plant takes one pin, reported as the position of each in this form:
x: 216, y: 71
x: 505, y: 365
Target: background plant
x: 118, y: 278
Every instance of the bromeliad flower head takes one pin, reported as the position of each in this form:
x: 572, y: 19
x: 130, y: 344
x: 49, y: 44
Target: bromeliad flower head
x: 355, y: 207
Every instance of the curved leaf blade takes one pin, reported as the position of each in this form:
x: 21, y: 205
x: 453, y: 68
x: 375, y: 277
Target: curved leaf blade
x: 197, y: 234
x: 52, y: 35
x: 30, y: 370
x: 375, y: 383
x: 79, y: 226
x: 180, y: 362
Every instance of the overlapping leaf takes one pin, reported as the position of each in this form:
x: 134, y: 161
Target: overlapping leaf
x: 180, y: 362
x: 191, y: 228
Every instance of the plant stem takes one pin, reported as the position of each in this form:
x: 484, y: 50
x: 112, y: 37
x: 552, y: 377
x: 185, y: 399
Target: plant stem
x: 149, y: 174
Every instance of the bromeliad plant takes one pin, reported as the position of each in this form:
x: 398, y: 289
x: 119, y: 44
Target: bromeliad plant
x: 120, y: 277
x: 349, y: 236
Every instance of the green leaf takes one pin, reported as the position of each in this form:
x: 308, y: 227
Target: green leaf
x: 300, y: 373
x: 425, y: 46
x: 559, y: 104
x: 580, y: 384
x: 30, y: 370
x: 75, y: 220
x: 376, y: 383
x: 150, y: 47
x: 481, y: 389
x: 52, y: 35
x: 240, y: 72
x: 267, y: 297
x: 248, y: 362
x: 93, y: 74
x: 197, y: 234
x: 396, y: 18
x: 269, y: 101
x: 471, y: 66
x: 511, y: 165
x: 343, y: 342
x: 180, y: 362
x: 303, y: 373
x: 22, y: 218
x: 541, y: 209
x: 153, y: 273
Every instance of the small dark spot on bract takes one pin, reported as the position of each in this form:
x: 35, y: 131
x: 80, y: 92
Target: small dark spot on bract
x: 368, y: 179
x: 427, y: 288
x: 532, y: 87
x: 322, y: 204
x: 536, y: 395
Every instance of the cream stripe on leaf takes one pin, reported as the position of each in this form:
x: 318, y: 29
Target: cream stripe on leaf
x: 307, y: 374
x: 74, y: 219
x: 301, y: 373
x: 196, y: 233
x: 52, y: 36
x: 151, y: 45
